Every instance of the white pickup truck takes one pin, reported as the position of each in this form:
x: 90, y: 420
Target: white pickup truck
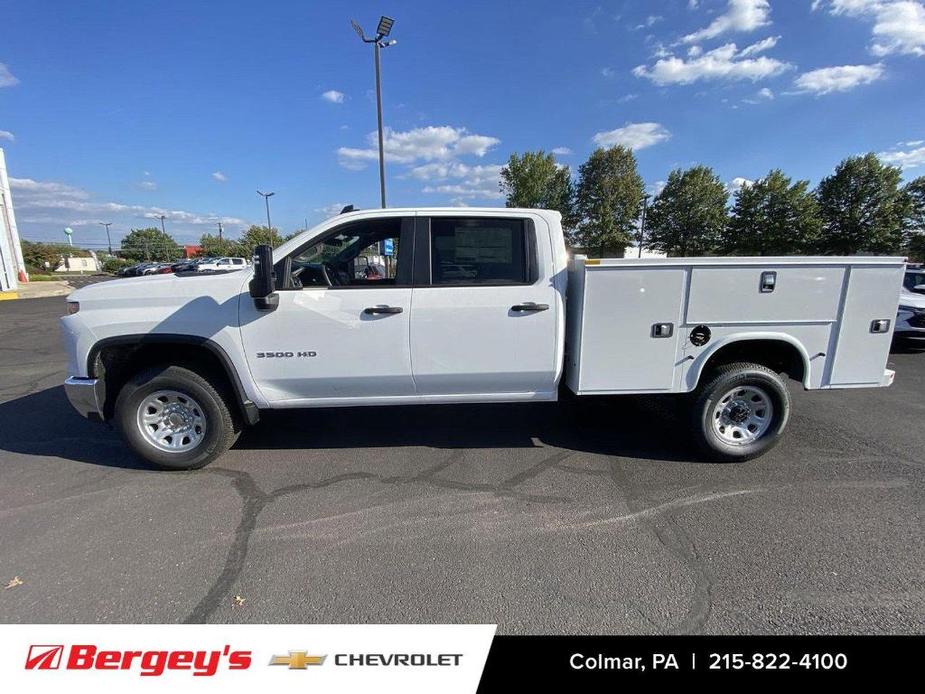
x: 474, y: 305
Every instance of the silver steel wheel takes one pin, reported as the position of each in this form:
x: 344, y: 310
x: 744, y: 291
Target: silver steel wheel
x: 743, y: 415
x: 171, y: 421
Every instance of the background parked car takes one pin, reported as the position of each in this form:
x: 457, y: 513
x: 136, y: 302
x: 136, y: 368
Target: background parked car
x: 227, y: 263
x: 910, y: 317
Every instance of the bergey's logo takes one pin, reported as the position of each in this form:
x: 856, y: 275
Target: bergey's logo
x: 44, y: 657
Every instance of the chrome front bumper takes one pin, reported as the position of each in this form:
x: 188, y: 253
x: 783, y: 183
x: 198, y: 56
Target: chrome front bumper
x: 83, y: 393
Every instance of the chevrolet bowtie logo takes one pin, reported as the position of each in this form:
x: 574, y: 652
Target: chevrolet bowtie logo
x: 297, y: 660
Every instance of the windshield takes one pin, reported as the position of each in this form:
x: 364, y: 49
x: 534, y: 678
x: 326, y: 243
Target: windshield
x: 327, y: 250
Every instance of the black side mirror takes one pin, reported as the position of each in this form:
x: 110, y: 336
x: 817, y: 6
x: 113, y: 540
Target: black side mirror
x: 262, y: 285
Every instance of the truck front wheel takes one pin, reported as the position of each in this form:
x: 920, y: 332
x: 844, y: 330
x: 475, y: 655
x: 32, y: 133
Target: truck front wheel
x: 740, y: 412
x: 174, y: 418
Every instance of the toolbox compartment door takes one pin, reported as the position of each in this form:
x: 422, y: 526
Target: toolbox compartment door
x: 619, y: 351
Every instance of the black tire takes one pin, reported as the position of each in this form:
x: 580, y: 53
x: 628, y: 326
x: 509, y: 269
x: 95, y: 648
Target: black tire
x: 715, y: 386
x: 221, y: 430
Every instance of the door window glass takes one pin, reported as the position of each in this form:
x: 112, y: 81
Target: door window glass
x: 362, y: 254
x: 478, y: 251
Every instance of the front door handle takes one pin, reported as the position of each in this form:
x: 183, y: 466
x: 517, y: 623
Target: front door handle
x: 529, y: 306
x: 373, y: 310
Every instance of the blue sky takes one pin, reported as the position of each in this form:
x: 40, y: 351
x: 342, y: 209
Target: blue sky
x: 123, y: 111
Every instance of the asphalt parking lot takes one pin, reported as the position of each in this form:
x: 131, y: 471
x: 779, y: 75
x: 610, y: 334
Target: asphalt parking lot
x: 541, y: 518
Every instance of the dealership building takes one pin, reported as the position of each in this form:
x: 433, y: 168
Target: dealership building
x: 12, y: 267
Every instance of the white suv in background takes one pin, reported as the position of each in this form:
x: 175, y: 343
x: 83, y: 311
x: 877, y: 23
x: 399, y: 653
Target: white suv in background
x: 224, y: 264
x: 910, y: 318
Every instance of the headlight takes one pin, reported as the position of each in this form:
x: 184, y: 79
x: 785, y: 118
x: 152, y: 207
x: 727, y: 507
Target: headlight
x: 73, y: 307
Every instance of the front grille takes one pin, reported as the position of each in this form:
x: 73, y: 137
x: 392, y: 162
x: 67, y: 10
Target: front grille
x: 918, y: 320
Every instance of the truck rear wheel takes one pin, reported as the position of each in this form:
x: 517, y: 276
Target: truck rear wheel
x: 174, y: 418
x: 740, y: 412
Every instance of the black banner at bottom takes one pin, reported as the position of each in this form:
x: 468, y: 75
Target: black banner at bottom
x: 598, y: 663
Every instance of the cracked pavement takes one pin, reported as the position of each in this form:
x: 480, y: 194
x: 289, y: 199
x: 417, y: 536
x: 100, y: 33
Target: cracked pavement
x: 575, y: 518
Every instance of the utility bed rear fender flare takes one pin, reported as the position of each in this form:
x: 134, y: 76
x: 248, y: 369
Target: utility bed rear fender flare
x: 697, y: 368
x: 247, y: 407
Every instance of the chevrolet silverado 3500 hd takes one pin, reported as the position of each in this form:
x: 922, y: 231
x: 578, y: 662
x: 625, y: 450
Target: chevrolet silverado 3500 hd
x: 475, y: 305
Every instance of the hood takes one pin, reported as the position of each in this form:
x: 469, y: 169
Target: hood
x: 160, y: 287
x: 907, y: 298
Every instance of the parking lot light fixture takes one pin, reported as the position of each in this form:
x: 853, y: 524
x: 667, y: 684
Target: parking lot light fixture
x: 383, y: 30
x: 385, y: 26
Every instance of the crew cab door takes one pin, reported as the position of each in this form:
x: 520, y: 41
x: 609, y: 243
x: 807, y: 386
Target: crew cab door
x: 484, y: 309
x: 337, y: 336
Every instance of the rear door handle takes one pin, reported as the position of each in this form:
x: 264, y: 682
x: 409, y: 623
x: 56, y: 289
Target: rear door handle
x: 529, y: 306
x: 372, y: 310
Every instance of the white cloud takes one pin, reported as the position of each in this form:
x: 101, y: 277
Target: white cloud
x: 331, y: 210
x: 760, y: 46
x: 692, y: 4
x: 7, y: 79
x: 763, y: 94
x: 459, y: 179
x: 147, y: 185
x: 219, y: 176
x: 740, y: 16
x: 608, y: 72
x: 737, y: 183
x: 334, y: 96
x: 723, y: 63
x: 419, y: 144
x: 899, y: 25
x: 561, y: 151
x: 51, y: 203
x: 633, y: 135
x: 908, y: 159
x: 7, y: 135
x: 840, y: 78
x: 649, y: 21
x: 433, y: 154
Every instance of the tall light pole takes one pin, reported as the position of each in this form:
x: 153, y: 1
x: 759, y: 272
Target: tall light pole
x: 266, y: 199
x: 219, y: 231
x: 108, y: 239
x: 162, y: 218
x: 383, y: 30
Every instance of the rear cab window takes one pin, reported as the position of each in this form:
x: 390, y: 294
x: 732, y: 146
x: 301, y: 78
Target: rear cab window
x: 481, y: 251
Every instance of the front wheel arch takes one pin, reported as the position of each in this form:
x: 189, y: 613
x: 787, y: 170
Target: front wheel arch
x: 115, y: 359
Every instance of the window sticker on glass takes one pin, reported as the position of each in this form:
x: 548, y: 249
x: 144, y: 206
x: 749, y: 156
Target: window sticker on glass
x: 483, y: 245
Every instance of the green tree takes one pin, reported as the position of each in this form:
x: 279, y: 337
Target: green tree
x: 112, y: 264
x: 534, y: 179
x: 35, y: 254
x: 608, y: 201
x: 689, y: 216
x: 150, y: 244
x: 863, y: 208
x: 213, y: 247
x: 915, y: 222
x: 773, y: 216
x: 255, y: 236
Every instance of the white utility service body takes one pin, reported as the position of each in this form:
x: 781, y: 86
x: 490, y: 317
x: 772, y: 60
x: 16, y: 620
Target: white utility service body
x: 822, y: 306
x: 481, y: 305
